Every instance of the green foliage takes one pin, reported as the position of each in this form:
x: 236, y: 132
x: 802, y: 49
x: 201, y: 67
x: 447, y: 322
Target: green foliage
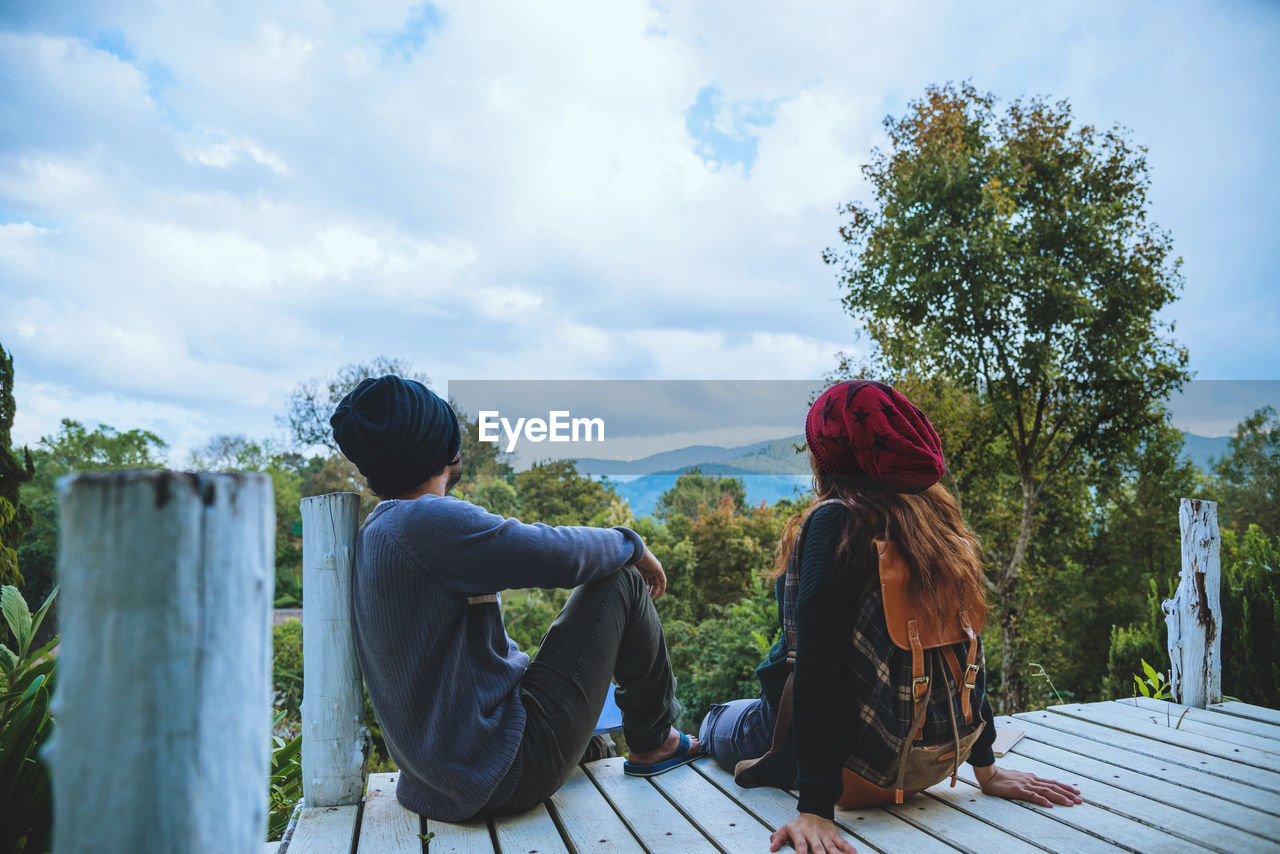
x: 74, y: 448
x: 284, y: 785
x: 1131, y: 645
x: 1155, y: 685
x: 25, y: 725
x: 527, y: 614
x: 495, y: 495
x: 286, y: 669
x: 1104, y: 532
x: 15, y: 517
x: 1012, y: 255
x: 1251, y: 616
x: 1248, y: 477
x: 552, y: 492
x: 715, y: 658
x: 695, y: 493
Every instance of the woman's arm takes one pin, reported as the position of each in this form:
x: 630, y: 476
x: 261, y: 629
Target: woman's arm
x: 824, y: 615
x: 1005, y: 782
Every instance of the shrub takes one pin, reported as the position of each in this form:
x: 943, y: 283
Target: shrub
x: 26, y: 813
x: 1251, y: 616
x: 286, y: 671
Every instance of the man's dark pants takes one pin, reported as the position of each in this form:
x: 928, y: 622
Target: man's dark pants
x: 608, y: 628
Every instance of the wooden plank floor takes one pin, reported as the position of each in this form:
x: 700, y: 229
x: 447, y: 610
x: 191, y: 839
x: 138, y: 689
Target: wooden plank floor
x: 1153, y: 779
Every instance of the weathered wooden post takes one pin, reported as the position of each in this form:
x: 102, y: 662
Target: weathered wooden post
x: 1194, y: 614
x: 164, y: 697
x: 334, y: 745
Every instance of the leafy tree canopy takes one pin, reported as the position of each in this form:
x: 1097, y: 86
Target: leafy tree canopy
x: 554, y: 493
x: 694, y: 493
x: 15, y: 517
x: 74, y: 448
x: 1011, y: 254
x: 1248, y: 477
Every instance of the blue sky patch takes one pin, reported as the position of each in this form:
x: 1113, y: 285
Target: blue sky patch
x: 409, y: 39
x: 727, y: 133
x: 112, y: 41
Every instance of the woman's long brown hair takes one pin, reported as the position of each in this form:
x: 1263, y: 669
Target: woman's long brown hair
x: 941, y: 551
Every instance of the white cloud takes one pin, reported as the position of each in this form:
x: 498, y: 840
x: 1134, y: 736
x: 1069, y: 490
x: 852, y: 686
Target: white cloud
x: 260, y: 192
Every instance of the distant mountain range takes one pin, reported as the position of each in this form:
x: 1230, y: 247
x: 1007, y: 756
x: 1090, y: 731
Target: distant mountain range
x: 769, y: 470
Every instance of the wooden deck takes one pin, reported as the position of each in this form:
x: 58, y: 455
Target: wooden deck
x: 1153, y: 779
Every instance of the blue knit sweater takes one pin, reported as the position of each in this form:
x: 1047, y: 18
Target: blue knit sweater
x: 442, y: 674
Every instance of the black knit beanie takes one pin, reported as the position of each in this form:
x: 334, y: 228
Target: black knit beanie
x: 397, y: 432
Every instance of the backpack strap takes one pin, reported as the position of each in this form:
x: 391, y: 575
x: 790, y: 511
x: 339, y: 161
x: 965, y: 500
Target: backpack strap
x: 970, y: 672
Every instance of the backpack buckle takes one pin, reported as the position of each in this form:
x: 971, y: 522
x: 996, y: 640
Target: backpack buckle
x: 919, y: 687
x: 971, y: 675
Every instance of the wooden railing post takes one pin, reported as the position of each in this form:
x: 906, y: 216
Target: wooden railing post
x: 163, y: 705
x: 334, y: 745
x: 1194, y: 614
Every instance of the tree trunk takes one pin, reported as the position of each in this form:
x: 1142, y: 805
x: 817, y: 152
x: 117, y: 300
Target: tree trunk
x: 1011, y: 662
x: 1194, y: 614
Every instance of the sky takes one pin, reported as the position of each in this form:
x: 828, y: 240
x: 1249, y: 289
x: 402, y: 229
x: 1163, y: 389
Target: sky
x: 204, y: 204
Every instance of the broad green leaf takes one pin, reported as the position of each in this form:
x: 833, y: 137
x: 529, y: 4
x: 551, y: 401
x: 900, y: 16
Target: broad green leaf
x: 18, y: 615
x: 8, y: 660
x: 44, y: 609
x: 1142, y: 687
x: 1150, y: 671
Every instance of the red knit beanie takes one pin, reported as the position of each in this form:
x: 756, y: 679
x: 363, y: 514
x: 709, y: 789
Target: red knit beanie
x: 868, y: 432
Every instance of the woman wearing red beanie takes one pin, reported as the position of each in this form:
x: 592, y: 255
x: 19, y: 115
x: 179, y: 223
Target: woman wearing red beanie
x: 877, y: 576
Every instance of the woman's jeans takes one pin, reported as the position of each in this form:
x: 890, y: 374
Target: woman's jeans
x: 607, y: 629
x: 737, y: 730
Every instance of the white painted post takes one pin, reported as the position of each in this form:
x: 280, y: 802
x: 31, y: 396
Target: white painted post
x: 1194, y: 614
x: 164, y: 698
x: 334, y: 744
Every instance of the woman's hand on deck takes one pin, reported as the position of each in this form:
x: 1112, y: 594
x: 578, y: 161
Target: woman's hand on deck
x: 651, y: 571
x: 1021, y: 786
x: 811, y: 834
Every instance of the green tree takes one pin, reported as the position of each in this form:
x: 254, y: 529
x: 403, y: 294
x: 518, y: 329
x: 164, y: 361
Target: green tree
x: 73, y: 449
x: 554, y: 493
x: 1012, y: 255
x: 1251, y: 616
x: 15, y: 517
x: 731, y: 548
x: 694, y: 492
x: 1248, y: 477
x: 716, y: 657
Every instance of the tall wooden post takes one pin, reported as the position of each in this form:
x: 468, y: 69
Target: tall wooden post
x: 164, y: 698
x: 334, y: 746
x: 1194, y: 614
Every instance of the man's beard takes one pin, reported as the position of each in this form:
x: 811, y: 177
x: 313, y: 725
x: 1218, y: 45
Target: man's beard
x: 455, y: 475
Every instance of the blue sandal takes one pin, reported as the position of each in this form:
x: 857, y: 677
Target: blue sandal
x: 682, y: 756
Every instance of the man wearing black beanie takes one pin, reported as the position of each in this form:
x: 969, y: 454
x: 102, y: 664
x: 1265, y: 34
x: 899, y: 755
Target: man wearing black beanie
x: 474, y: 726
